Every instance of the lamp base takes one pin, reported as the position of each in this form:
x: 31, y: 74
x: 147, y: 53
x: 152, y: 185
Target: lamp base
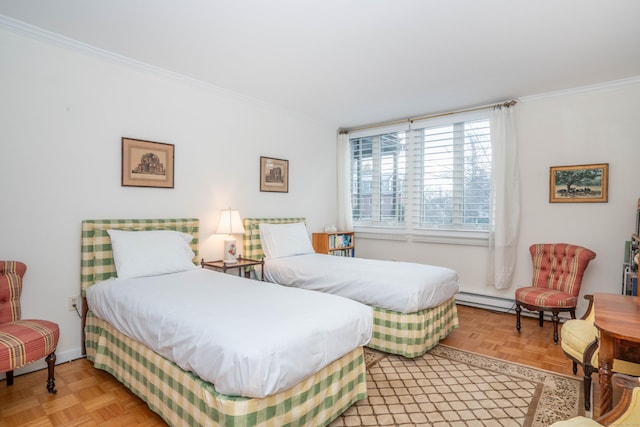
x: 230, y: 251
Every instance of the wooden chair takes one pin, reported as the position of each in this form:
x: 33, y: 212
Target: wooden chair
x: 579, y: 341
x: 625, y: 413
x: 22, y: 341
x: 557, y: 276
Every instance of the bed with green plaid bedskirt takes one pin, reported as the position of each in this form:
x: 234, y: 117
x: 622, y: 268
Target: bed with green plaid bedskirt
x: 406, y: 334
x: 182, y: 398
x: 412, y: 334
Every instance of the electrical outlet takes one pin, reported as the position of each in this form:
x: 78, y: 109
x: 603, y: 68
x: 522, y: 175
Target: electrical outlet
x: 73, y: 303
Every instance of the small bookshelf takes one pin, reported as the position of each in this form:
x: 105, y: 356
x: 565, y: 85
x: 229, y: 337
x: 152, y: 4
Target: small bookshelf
x: 630, y: 266
x: 630, y: 282
x: 337, y: 243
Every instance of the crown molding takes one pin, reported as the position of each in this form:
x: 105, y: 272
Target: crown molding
x: 614, y: 84
x: 59, y: 40
x: 49, y: 37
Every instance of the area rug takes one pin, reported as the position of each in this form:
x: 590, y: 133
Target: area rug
x: 450, y: 387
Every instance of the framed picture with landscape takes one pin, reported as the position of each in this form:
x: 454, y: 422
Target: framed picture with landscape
x: 147, y: 164
x: 579, y: 184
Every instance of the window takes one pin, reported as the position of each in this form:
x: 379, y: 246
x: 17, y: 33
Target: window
x: 378, y: 170
x: 430, y: 175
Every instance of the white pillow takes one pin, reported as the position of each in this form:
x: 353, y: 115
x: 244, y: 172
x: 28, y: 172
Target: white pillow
x: 150, y: 253
x: 281, y: 240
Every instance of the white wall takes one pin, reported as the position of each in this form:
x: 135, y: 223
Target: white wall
x: 598, y: 125
x: 62, y: 117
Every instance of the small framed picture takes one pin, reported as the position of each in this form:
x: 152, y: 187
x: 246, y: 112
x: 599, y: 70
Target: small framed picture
x: 274, y: 175
x: 579, y: 184
x: 147, y: 164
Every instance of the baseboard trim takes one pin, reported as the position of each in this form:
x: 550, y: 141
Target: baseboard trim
x: 503, y: 305
x: 65, y: 356
x: 486, y: 301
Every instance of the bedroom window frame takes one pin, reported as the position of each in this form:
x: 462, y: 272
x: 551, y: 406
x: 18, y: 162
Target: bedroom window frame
x: 378, y: 180
x: 463, y: 228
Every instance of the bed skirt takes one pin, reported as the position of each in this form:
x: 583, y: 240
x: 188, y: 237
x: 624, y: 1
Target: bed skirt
x: 412, y: 334
x: 182, y: 398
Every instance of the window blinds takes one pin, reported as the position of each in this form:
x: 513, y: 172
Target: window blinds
x: 429, y: 174
x: 452, y: 175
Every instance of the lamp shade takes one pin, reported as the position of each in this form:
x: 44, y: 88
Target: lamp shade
x: 230, y: 222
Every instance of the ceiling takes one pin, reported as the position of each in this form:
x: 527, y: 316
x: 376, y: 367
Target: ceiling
x: 347, y: 63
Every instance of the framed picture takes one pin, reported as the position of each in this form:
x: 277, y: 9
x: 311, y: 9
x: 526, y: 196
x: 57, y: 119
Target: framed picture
x: 274, y: 175
x: 579, y: 184
x: 147, y: 164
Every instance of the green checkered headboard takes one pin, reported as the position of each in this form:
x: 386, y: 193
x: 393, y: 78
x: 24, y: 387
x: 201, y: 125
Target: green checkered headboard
x: 97, y: 258
x: 251, y: 242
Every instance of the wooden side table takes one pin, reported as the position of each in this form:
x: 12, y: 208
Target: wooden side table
x: 240, y: 264
x: 617, y: 317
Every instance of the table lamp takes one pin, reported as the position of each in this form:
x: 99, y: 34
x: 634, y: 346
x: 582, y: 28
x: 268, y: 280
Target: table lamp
x: 230, y: 223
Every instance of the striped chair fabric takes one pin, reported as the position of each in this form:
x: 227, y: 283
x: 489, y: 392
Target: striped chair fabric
x: 558, y: 269
x: 22, y: 341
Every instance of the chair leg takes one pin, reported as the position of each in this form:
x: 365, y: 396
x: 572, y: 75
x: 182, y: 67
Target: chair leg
x: 541, y: 318
x: 556, y: 320
x: 518, y: 311
x: 9, y: 375
x: 51, y: 381
x: 588, y: 370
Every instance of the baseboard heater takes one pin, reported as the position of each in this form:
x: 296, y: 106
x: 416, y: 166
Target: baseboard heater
x: 503, y: 305
x: 486, y: 301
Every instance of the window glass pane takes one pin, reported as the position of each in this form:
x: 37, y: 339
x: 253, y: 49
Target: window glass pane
x: 437, y: 176
x: 378, y: 167
x: 456, y: 174
x: 392, y: 174
x: 362, y: 178
x: 477, y: 173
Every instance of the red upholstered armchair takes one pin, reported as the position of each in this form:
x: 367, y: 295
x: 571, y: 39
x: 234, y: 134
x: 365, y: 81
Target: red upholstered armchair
x: 557, y: 276
x: 22, y: 341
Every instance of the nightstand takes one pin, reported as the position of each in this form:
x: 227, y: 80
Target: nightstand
x: 239, y: 264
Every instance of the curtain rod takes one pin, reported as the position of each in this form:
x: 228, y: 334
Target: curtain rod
x: 510, y: 103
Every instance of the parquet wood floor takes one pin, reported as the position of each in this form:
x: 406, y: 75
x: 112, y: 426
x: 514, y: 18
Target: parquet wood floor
x: 90, y: 397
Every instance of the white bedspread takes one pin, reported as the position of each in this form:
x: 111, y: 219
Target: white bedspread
x: 399, y: 286
x: 248, y: 338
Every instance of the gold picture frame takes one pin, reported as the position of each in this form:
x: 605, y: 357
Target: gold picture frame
x: 274, y: 175
x: 147, y: 163
x: 579, y: 184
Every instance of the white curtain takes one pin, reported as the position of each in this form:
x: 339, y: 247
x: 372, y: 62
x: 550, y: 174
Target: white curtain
x: 343, y: 155
x: 505, y: 198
